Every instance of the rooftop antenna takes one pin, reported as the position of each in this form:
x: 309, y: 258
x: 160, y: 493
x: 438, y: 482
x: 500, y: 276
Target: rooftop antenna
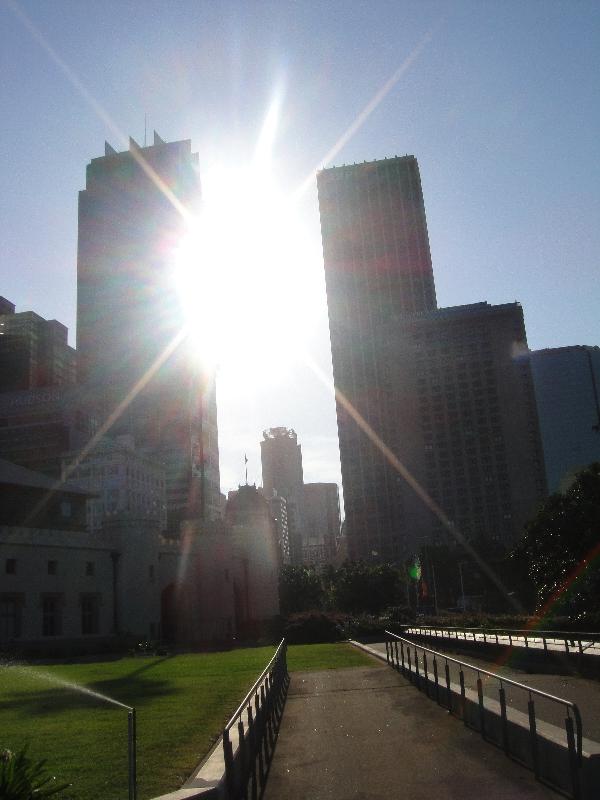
x: 246, y: 465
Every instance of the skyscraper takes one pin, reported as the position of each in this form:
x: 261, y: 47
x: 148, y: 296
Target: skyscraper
x: 435, y: 386
x: 321, y: 508
x: 567, y: 390
x: 34, y: 352
x: 282, y: 474
x: 132, y: 216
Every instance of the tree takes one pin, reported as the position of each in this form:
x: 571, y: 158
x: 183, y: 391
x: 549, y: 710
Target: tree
x: 367, y: 587
x: 561, y: 546
x: 300, y: 589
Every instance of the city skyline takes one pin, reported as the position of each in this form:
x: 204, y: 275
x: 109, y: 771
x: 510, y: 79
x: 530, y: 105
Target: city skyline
x: 497, y: 105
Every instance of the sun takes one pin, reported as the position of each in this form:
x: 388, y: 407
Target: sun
x: 242, y: 273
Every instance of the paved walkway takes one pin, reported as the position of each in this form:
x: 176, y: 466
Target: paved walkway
x: 367, y: 734
x: 590, y: 647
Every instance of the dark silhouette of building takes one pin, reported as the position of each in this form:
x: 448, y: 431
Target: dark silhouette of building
x: 38, y: 426
x: 34, y: 352
x: 444, y: 390
x: 322, y: 522
x: 567, y: 390
x: 281, y: 458
x: 132, y: 217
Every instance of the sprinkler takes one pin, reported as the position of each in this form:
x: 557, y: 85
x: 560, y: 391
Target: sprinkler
x: 131, y: 737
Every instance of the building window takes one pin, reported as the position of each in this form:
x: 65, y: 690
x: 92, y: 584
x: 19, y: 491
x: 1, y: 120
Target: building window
x: 10, y: 617
x: 90, y: 568
x: 52, y: 565
x: 90, y: 614
x: 65, y: 509
x: 51, y: 616
x: 11, y: 566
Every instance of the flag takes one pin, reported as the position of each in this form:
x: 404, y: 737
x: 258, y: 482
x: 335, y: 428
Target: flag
x: 415, y: 570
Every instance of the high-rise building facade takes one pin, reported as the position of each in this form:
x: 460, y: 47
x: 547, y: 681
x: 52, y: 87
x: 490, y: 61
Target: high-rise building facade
x: 132, y: 217
x: 281, y: 458
x: 322, y: 522
x: 38, y: 426
x: 467, y: 424
x: 567, y: 390
x: 34, y: 352
x: 442, y: 389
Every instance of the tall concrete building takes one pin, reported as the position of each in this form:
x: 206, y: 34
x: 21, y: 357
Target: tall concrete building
x: 38, y: 426
x: 443, y: 389
x: 281, y: 458
x: 322, y: 522
x: 34, y: 352
x: 129, y: 317
x: 567, y: 390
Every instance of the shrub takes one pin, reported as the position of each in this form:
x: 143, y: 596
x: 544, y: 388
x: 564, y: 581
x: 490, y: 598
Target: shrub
x: 314, y: 627
x: 24, y: 779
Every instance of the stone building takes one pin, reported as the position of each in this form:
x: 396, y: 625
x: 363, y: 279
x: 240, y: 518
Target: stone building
x: 127, y: 484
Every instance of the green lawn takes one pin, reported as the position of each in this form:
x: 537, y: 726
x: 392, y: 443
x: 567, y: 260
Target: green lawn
x: 182, y: 702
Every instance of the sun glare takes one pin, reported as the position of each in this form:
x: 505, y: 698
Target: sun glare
x: 241, y: 270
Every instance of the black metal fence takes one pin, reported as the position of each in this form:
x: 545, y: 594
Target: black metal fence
x: 249, y: 736
x: 575, y: 642
x: 431, y: 672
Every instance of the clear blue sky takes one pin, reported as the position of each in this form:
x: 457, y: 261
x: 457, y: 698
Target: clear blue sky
x: 500, y: 103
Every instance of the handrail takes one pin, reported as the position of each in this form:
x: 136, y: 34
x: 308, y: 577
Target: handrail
x: 247, y: 765
x: 594, y: 636
x: 244, y: 704
x: 498, y: 677
x: 574, y: 738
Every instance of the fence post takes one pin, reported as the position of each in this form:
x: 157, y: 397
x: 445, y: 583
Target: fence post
x: 253, y: 753
x: 435, y: 677
x: 417, y: 673
x: 259, y: 728
x: 228, y: 757
x: 243, y: 760
x: 573, y: 760
x: 463, y: 704
x: 448, y: 689
x: 533, y: 737
x: 481, y: 707
x: 504, y: 719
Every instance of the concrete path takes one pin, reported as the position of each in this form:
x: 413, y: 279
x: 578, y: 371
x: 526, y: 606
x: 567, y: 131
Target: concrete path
x: 367, y: 734
x: 590, y: 647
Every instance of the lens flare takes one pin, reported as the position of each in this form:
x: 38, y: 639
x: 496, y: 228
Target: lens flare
x: 242, y: 268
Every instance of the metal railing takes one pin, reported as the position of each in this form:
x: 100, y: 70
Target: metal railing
x: 576, y: 642
x: 247, y: 764
x: 424, y: 672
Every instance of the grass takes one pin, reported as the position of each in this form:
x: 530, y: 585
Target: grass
x: 182, y: 703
